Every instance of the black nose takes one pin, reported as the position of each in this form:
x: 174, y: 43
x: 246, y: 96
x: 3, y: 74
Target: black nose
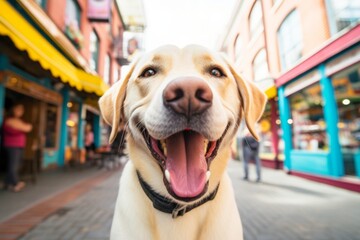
x: 188, y: 96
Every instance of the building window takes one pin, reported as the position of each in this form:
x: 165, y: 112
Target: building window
x: 238, y: 45
x: 343, y: 14
x: 347, y: 91
x: 72, y: 23
x: 72, y: 12
x: 255, y: 19
x: 260, y: 66
x: 307, y: 119
x: 107, y: 69
x: 94, y: 50
x: 290, y: 40
x: 41, y: 3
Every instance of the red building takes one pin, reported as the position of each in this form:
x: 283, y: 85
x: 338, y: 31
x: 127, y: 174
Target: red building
x: 267, y: 38
x: 304, y: 55
x: 58, y: 57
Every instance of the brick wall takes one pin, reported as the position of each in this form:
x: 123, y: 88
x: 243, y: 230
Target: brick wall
x: 314, y: 27
x: 56, y: 11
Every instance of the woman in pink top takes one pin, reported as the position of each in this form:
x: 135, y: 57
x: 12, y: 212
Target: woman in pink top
x: 14, y: 135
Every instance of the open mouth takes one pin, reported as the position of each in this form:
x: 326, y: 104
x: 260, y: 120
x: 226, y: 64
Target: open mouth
x: 184, y: 158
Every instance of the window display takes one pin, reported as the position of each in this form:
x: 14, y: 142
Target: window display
x: 347, y: 92
x: 308, y: 119
x: 266, y: 146
x: 72, y: 124
x: 271, y: 146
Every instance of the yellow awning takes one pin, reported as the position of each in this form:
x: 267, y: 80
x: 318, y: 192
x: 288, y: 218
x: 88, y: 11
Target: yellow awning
x: 271, y: 92
x: 27, y: 38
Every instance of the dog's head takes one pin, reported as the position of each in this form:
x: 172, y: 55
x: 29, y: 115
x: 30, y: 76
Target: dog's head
x: 182, y: 108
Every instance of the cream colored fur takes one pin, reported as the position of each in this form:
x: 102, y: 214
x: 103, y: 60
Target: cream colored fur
x: 136, y: 99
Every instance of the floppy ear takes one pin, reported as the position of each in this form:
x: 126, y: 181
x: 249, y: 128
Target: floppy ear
x: 112, y: 105
x: 253, y: 102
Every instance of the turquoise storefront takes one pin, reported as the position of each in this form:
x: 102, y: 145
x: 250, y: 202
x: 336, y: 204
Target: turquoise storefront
x: 319, y: 103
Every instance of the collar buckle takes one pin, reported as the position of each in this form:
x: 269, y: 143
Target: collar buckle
x: 179, y: 211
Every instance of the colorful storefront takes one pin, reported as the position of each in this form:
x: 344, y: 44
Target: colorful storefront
x: 59, y: 95
x: 271, y: 144
x: 319, y: 103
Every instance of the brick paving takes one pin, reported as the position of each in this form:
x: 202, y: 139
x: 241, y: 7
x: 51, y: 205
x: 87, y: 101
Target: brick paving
x: 21, y: 223
x: 49, y: 182
x: 281, y: 207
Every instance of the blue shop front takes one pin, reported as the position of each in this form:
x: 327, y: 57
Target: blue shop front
x: 319, y: 103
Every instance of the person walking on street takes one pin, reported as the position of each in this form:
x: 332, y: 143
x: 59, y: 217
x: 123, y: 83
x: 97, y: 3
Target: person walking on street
x: 14, y: 141
x: 251, y: 152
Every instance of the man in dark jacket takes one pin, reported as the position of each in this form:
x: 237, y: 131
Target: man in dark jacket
x: 251, y: 152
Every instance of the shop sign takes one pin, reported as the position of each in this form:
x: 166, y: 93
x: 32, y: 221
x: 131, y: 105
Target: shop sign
x: 343, y: 61
x: 31, y: 89
x: 99, y: 10
x: 301, y: 83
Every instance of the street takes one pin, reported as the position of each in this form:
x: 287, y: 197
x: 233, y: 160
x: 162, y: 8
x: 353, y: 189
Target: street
x: 76, y: 74
x: 281, y: 207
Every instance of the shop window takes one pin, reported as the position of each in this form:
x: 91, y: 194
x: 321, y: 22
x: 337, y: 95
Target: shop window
x: 255, y: 19
x: 72, y: 23
x: 72, y: 124
x: 290, y: 40
x: 343, y: 14
x: 347, y: 92
x: 266, y: 144
x: 107, y: 69
x: 307, y: 119
x: 94, y: 50
x: 51, y: 125
x: 260, y: 66
x: 271, y: 146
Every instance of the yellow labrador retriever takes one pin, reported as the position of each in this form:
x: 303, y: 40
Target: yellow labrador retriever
x: 181, y: 108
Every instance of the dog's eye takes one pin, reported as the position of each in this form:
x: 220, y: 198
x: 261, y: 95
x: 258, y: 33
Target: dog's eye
x: 148, y: 72
x: 216, y: 72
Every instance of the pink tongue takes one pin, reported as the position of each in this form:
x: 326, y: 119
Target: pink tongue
x: 186, y: 163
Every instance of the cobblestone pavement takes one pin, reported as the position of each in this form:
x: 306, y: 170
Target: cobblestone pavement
x: 281, y: 207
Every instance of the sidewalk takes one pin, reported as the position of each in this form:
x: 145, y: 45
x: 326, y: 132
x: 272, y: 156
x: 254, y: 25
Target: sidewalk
x: 53, y: 191
x: 88, y: 217
x: 286, y: 207
x: 48, y: 183
x: 282, y: 207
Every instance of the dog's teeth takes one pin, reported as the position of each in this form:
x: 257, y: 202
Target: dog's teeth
x: 163, y: 145
x: 167, y: 175
x: 208, y: 174
x: 165, y: 150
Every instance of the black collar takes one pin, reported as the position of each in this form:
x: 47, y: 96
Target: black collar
x: 166, y: 205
